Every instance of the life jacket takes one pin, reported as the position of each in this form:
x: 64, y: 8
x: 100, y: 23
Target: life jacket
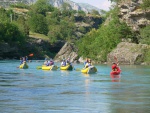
x: 63, y: 63
x: 85, y: 62
x: 51, y: 63
x: 89, y: 64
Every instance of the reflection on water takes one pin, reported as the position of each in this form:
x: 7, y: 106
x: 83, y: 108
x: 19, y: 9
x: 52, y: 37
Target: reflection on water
x: 115, y: 78
x: 36, y: 91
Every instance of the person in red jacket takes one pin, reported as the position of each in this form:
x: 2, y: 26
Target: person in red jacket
x: 115, y: 67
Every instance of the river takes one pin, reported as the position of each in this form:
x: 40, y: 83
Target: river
x: 37, y: 91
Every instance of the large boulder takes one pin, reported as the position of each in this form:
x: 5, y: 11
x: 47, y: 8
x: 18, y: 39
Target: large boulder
x: 67, y: 51
x: 128, y: 53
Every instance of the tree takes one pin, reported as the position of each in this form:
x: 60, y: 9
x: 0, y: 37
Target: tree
x: 94, y: 12
x: 4, y: 15
x: 10, y: 33
x: 37, y: 23
x: 66, y: 6
x: 42, y: 6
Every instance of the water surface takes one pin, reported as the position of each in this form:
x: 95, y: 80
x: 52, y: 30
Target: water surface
x: 37, y: 91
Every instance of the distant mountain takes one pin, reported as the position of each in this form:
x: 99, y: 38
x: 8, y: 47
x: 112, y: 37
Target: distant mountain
x: 56, y: 3
x: 88, y: 7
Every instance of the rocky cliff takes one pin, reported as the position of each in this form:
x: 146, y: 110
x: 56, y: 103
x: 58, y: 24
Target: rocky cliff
x: 133, y: 15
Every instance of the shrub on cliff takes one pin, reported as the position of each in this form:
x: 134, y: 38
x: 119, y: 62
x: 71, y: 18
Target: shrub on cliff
x: 146, y: 4
x: 145, y: 35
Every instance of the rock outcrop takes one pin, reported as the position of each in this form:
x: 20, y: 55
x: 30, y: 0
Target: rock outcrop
x: 133, y: 15
x: 67, y: 51
x: 87, y: 23
x: 128, y: 53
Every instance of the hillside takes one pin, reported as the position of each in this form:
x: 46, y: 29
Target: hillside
x: 41, y: 32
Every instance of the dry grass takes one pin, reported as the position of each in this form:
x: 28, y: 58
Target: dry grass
x: 38, y: 36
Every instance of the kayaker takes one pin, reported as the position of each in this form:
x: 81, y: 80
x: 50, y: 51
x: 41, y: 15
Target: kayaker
x: 89, y: 63
x: 51, y: 62
x: 86, y: 61
x: 21, y: 60
x: 115, y: 67
x: 63, y: 63
x: 46, y: 61
x: 68, y: 61
x: 26, y: 58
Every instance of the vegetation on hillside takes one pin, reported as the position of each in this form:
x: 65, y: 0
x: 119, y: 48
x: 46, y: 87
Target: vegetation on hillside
x: 40, y: 18
x: 98, y: 43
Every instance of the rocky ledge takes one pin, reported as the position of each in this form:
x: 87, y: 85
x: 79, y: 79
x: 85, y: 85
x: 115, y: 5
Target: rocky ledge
x: 128, y: 53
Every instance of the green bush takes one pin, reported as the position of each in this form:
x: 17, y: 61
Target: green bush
x: 145, y: 35
x: 146, y: 4
x: 10, y: 33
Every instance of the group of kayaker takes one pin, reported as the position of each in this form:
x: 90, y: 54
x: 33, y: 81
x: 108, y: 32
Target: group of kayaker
x: 65, y: 62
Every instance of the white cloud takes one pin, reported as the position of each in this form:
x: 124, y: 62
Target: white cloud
x: 101, y: 4
x: 105, y: 5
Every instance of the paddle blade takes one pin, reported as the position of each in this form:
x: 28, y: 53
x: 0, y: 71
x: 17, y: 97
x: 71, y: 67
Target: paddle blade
x: 78, y: 69
x: 31, y: 54
x: 39, y: 67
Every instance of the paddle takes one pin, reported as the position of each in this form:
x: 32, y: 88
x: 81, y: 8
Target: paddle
x: 77, y: 69
x: 39, y: 67
x: 116, y: 60
x: 31, y: 55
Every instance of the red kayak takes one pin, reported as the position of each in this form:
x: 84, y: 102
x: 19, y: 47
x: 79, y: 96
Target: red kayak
x: 116, y: 72
x: 115, y: 75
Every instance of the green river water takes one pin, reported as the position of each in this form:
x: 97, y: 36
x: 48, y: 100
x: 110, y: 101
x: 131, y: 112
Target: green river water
x: 37, y: 91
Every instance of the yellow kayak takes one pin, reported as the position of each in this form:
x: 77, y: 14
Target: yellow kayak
x: 67, y: 67
x: 52, y: 67
x: 89, y: 70
x: 23, y: 66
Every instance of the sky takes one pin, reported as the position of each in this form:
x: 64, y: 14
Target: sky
x: 101, y: 4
